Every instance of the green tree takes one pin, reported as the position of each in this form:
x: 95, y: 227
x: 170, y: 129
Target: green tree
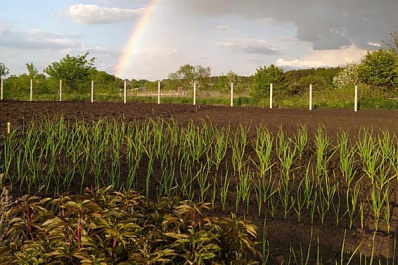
x: 188, y: 74
x: 73, y: 70
x: 264, y: 77
x: 327, y: 74
x: 4, y: 71
x: 32, y: 70
x: 138, y: 83
x: 224, y: 82
x: 17, y: 87
x: 105, y: 82
x: 379, y: 68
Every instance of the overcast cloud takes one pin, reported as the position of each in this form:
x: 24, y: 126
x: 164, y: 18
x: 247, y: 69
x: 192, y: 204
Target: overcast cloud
x: 328, y: 24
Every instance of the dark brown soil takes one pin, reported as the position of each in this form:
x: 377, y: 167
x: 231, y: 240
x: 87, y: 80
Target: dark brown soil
x: 333, y: 120
x: 283, y: 233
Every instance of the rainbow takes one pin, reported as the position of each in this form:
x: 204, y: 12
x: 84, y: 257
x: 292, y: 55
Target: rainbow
x: 130, y: 46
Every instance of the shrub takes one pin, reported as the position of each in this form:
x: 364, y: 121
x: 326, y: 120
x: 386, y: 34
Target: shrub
x: 108, y: 227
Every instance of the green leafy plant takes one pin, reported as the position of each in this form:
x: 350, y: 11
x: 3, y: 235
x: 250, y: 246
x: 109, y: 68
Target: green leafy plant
x: 104, y: 226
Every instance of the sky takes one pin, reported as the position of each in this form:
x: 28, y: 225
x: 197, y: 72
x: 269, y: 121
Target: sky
x: 148, y: 39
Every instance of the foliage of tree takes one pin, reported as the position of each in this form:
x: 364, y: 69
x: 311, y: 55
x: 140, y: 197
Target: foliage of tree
x: 16, y: 86
x: 170, y: 84
x: 379, y: 68
x: 19, y: 86
x: 73, y: 70
x: 293, y: 76
x: 138, y: 83
x: 392, y: 45
x: 104, y: 81
x: 32, y: 70
x: 264, y: 77
x: 327, y: 74
x: 317, y: 83
x: 298, y: 81
x: 203, y: 76
x: 188, y: 74
x: 4, y: 71
x: 348, y: 76
x: 224, y: 82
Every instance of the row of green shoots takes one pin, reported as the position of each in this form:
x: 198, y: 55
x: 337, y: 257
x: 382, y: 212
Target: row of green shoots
x: 310, y: 176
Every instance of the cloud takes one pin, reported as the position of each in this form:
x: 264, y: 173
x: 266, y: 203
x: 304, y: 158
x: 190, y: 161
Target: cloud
x: 325, y: 58
x: 251, y: 46
x: 93, y: 14
x: 300, y: 63
x: 36, y: 40
x: 224, y: 28
x: 374, y: 44
x: 327, y: 24
x: 337, y: 57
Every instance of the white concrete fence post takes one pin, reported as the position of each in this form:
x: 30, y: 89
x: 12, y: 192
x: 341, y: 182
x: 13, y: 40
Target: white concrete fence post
x: 356, y: 99
x: 310, y: 104
x: 194, y: 93
x: 92, y: 91
x: 60, y: 90
x: 31, y: 89
x: 232, y: 94
x: 125, y: 92
x: 1, y: 92
x: 270, y: 95
x: 158, y: 92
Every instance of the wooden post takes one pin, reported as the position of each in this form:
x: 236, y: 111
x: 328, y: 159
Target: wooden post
x: 232, y: 94
x: 92, y: 91
x: 356, y: 99
x: 125, y: 92
x: 310, y: 107
x: 1, y: 92
x: 270, y: 95
x: 194, y: 93
x: 158, y: 92
x: 60, y: 90
x: 31, y: 89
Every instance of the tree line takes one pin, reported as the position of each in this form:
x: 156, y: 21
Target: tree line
x: 378, y: 69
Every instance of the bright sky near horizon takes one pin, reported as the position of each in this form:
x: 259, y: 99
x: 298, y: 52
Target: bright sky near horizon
x: 148, y: 39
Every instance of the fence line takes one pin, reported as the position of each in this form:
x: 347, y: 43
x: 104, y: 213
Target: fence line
x: 195, y: 93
